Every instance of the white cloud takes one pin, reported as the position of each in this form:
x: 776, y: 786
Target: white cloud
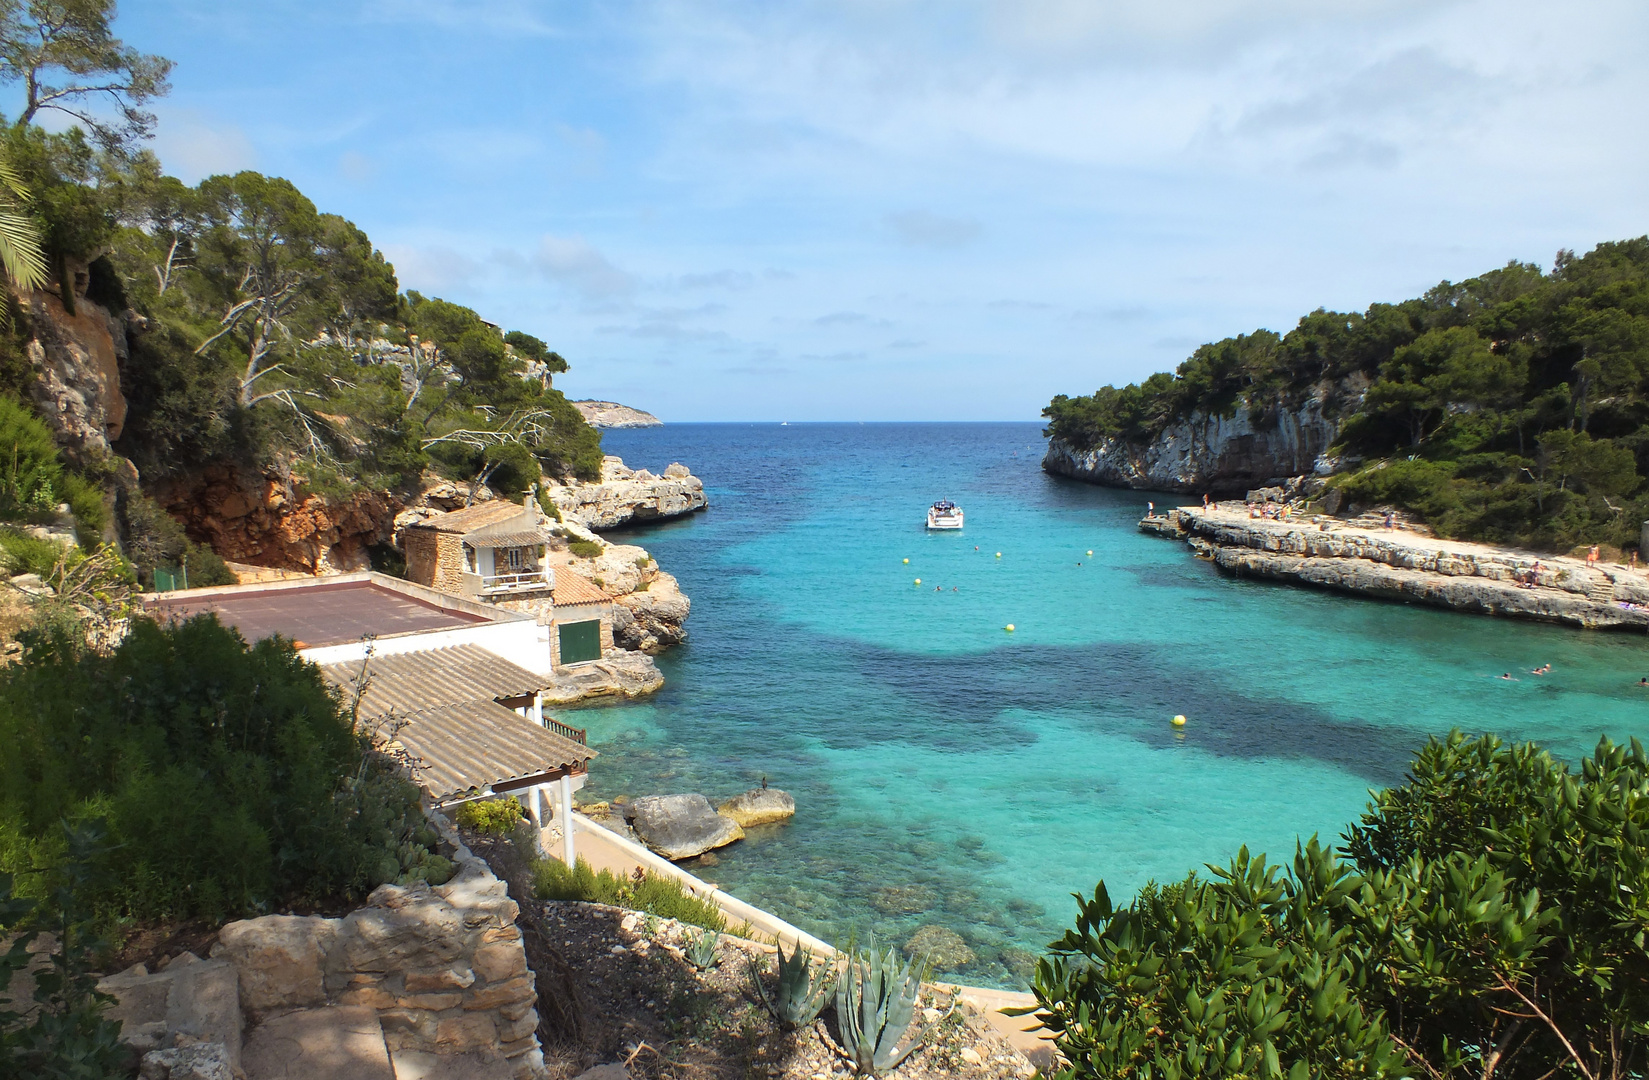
x: 431, y: 270
x: 919, y: 228
x: 192, y: 146
x: 572, y: 262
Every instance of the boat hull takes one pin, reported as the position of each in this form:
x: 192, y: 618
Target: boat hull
x: 949, y: 521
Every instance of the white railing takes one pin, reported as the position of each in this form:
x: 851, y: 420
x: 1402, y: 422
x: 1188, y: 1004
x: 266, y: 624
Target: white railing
x: 527, y: 579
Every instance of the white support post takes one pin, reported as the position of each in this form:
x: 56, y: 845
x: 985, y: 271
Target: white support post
x: 538, y: 708
x: 566, y: 808
x: 535, y: 805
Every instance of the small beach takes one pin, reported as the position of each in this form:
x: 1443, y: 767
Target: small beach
x: 951, y: 773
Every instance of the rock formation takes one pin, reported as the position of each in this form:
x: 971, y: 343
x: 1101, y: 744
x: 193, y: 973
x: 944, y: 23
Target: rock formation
x: 1397, y: 565
x: 1213, y: 453
x: 625, y: 496
x: 759, y: 806
x: 77, y: 360
x: 610, y: 414
x: 681, y: 826
x: 267, y: 521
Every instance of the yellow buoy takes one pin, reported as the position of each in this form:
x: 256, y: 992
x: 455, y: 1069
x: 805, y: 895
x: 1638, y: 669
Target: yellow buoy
x: 998, y: 554
x: 907, y: 562
x: 918, y: 581
x: 1090, y: 551
x: 1009, y: 628
x: 1179, y: 721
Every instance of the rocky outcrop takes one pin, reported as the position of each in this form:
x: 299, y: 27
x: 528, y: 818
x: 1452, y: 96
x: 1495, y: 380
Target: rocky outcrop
x: 759, y: 806
x: 610, y: 414
x: 681, y: 826
x: 1212, y: 453
x: 625, y: 496
x: 650, y: 621
x: 618, y: 674
x: 270, y: 521
x: 188, y: 1000
x: 1399, y: 565
x: 443, y: 967
x: 77, y: 360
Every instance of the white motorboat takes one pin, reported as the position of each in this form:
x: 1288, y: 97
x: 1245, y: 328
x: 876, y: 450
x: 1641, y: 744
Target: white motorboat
x: 944, y: 514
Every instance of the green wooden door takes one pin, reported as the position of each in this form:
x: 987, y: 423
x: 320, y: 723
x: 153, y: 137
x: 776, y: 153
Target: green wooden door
x: 580, y: 641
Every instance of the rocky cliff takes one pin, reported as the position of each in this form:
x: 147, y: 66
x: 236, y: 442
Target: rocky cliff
x: 1211, y: 453
x: 1395, y: 564
x: 610, y: 414
x: 625, y: 496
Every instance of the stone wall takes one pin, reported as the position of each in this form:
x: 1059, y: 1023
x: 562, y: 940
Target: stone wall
x: 435, y: 559
x: 443, y: 966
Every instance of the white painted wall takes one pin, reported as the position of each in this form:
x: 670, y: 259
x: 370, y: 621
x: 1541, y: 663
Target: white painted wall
x: 522, y: 642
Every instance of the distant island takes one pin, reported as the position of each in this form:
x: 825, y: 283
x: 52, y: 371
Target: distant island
x: 610, y: 414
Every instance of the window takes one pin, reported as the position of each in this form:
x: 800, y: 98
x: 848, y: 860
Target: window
x: 514, y: 558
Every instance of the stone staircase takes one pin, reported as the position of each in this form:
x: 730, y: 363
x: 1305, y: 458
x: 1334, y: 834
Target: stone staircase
x: 1601, y: 590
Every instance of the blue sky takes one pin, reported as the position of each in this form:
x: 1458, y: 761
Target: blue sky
x: 918, y: 209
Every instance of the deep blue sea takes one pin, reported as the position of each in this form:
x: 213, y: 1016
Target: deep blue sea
x: 949, y: 772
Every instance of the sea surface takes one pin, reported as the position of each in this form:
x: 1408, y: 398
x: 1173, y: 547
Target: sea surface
x: 950, y: 772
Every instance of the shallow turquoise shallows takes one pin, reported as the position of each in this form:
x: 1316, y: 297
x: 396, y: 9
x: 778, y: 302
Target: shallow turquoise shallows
x: 949, y: 772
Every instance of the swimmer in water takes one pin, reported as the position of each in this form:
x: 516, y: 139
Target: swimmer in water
x: 1643, y: 684
x: 1508, y: 677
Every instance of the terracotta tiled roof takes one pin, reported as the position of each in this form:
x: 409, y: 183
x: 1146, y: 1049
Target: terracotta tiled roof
x: 571, y: 588
x: 471, y: 518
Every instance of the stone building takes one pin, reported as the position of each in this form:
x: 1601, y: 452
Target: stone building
x: 497, y: 553
x: 490, y: 551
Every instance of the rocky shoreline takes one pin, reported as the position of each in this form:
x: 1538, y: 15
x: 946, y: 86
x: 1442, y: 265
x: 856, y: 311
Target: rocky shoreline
x: 610, y: 414
x: 1398, y: 564
x: 626, y: 496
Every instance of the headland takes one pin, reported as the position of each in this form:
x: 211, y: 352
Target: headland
x: 1368, y: 558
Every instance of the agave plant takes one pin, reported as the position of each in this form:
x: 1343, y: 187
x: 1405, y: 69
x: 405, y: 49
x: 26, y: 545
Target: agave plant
x: 701, y: 949
x: 875, y: 1004
x: 802, y: 990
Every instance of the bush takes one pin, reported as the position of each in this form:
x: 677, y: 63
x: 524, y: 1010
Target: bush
x: 495, y: 817
x: 585, y: 549
x: 664, y: 897
x: 1489, y: 919
x: 25, y: 554
x: 228, y: 778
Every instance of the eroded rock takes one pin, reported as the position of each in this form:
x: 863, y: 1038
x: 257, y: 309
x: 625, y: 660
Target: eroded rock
x: 759, y: 806
x: 942, y: 947
x: 681, y: 826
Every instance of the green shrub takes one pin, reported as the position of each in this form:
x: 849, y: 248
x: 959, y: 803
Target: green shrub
x: 496, y: 817
x: 24, y: 554
x: 228, y: 778
x: 1489, y: 919
x: 31, y: 476
x: 661, y: 896
x: 585, y: 549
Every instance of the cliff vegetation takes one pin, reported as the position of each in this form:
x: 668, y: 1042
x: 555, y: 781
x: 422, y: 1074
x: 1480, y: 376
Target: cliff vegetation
x: 1511, y: 407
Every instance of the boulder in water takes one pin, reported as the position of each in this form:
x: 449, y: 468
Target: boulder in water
x: 681, y: 826
x: 760, y: 806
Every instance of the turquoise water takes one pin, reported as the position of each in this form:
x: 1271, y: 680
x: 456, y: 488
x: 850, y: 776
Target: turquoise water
x: 949, y: 772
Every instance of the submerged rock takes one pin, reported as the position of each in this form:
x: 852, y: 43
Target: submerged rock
x: 759, y: 806
x: 943, y: 948
x: 681, y: 826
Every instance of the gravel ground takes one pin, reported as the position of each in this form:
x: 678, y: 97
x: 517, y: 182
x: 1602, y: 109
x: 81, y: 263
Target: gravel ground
x: 615, y: 986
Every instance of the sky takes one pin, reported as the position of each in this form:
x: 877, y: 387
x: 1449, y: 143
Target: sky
x: 917, y: 209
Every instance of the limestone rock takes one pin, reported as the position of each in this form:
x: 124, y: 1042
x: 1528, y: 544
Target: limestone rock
x: 279, y: 958
x: 759, y: 806
x: 625, y: 496
x: 623, y: 674
x: 200, y: 1061
x: 76, y: 386
x: 1210, y: 452
x: 654, y: 619
x: 681, y: 826
x: 338, y: 1042
x: 192, y: 999
x: 610, y: 414
x: 944, y: 948
x: 611, y: 1071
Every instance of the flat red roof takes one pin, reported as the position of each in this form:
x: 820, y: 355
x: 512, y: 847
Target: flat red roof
x: 317, y: 614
